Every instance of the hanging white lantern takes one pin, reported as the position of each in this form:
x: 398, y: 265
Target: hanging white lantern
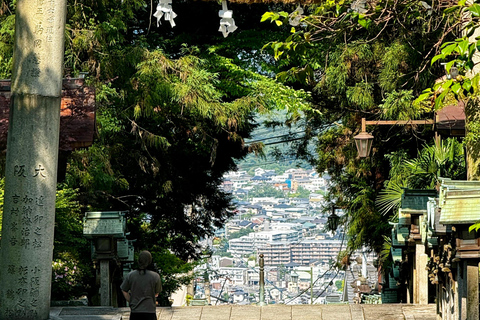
x: 164, y: 9
x: 227, y: 24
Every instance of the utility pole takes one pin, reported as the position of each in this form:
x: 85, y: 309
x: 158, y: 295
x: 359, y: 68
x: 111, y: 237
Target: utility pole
x: 32, y: 157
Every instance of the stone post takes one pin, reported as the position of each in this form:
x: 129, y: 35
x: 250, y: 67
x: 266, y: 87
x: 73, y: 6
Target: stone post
x: 261, y: 281
x: 461, y: 292
x: 105, y: 285
x: 420, y: 285
x: 423, y: 279
x: 472, y: 290
x: 206, y: 278
x: 31, y: 164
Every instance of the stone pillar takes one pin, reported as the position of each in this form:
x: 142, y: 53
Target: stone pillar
x: 105, y: 299
x: 420, y: 276
x: 461, y: 292
x: 472, y: 290
x: 261, y: 281
x: 31, y: 164
x: 421, y: 282
x: 207, y: 289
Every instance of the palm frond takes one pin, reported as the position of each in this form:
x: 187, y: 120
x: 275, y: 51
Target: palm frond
x: 389, y: 199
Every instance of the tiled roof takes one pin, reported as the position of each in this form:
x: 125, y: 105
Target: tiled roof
x: 416, y: 199
x: 460, y: 206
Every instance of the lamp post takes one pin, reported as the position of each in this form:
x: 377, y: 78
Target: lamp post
x: 332, y: 220
x: 364, y: 140
x: 261, y: 263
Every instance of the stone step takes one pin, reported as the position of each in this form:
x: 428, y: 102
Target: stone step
x: 94, y: 317
x: 253, y: 312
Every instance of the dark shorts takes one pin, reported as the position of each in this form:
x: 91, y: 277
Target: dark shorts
x: 142, y: 316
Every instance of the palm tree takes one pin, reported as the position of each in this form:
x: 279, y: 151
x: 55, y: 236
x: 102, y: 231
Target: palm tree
x: 441, y: 159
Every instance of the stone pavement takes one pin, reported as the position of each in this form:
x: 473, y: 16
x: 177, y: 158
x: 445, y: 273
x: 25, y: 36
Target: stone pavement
x: 252, y: 312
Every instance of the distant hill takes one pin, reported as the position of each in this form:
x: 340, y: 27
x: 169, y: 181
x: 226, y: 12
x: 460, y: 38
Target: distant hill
x: 277, y: 148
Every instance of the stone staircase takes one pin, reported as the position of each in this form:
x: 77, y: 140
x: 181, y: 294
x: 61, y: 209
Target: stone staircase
x: 253, y: 312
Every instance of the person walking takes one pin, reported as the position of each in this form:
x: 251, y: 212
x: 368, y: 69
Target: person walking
x: 140, y: 288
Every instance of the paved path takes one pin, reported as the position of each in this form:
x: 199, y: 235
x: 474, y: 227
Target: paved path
x: 252, y: 312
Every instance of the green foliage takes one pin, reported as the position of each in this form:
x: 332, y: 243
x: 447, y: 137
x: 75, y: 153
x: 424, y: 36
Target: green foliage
x: 384, y: 256
x: 67, y: 278
x: 444, y: 159
x: 462, y: 82
x: 2, y: 192
x: 389, y: 199
x: 438, y: 160
x: 173, y: 112
x: 398, y: 105
x: 339, y: 284
x: 7, y: 26
x: 240, y: 233
x: 361, y: 62
x: 72, y: 269
x: 265, y: 190
x: 300, y: 193
x: 174, y: 272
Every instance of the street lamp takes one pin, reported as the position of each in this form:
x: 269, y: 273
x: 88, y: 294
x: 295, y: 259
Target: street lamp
x: 332, y: 220
x: 364, y: 140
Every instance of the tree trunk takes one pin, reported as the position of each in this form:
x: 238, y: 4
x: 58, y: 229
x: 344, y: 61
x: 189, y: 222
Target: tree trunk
x: 472, y: 138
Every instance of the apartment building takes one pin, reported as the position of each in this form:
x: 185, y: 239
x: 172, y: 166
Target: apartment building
x: 286, y: 226
x: 276, y: 253
x: 303, y: 252
x: 243, y: 245
x: 263, y: 237
x: 236, y: 276
x: 295, y: 174
x: 307, y: 251
x: 251, y: 242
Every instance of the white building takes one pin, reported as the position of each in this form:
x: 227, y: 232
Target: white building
x: 235, y: 275
x: 263, y: 237
x: 242, y: 245
x: 285, y: 226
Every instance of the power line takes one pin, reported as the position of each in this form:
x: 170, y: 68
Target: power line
x: 318, y: 278
x: 266, y: 162
x: 280, y: 136
x: 284, y: 141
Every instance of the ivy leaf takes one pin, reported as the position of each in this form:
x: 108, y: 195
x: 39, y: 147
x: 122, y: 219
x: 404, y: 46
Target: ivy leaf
x: 437, y: 57
x: 278, y: 22
x: 439, y: 99
x: 473, y: 227
x: 425, y: 95
x: 462, y: 46
x: 456, y: 88
x: 451, y: 9
x: 307, y: 36
x: 467, y: 85
x: 475, y: 9
x: 364, y: 22
x: 449, y: 65
x: 447, y: 84
x: 475, y: 82
x: 266, y: 16
x: 449, y: 48
x: 471, y: 50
